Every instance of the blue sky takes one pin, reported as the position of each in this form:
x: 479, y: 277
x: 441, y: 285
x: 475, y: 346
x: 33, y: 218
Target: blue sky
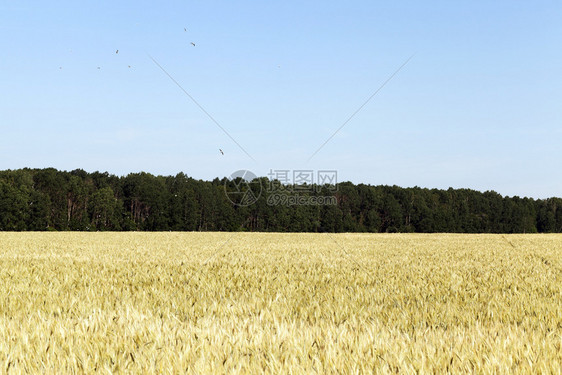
x: 478, y: 106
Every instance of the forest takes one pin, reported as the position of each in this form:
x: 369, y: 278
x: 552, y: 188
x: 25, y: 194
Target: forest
x: 49, y: 199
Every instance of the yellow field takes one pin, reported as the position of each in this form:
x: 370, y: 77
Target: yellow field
x: 280, y: 303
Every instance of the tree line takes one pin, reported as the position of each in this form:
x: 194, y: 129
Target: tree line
x: 48, y: 199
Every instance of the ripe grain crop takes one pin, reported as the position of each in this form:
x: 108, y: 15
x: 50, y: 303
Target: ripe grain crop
x: 280, y: 303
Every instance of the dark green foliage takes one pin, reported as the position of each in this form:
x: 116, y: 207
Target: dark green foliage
x: 47, y: 199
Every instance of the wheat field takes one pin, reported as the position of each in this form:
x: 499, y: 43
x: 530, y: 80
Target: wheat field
x: 280, y: 303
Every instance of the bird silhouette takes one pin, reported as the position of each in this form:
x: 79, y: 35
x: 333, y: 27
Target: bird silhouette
x: 221, y: 151
x: 117, y: 51
x: 99, y: 67
x: 193, y: 44
x: 129, y: 66
x: 184, y: 29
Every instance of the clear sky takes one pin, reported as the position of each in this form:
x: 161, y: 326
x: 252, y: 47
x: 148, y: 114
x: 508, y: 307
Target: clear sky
x: 478, y: 106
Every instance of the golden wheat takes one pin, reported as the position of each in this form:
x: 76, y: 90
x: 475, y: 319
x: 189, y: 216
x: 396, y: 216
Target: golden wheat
x: 280, y: 303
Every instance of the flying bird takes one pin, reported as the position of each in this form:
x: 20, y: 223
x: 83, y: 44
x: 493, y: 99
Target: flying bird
x: 221, y: 151
x: 184, y: 29
x: 117, y: 51
x: 99, y: 67
x: 193, y: 44
x: 129, y: 66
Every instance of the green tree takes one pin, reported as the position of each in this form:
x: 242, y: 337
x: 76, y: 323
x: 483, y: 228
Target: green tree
x: 104, y: 208
x: 13, y: 208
